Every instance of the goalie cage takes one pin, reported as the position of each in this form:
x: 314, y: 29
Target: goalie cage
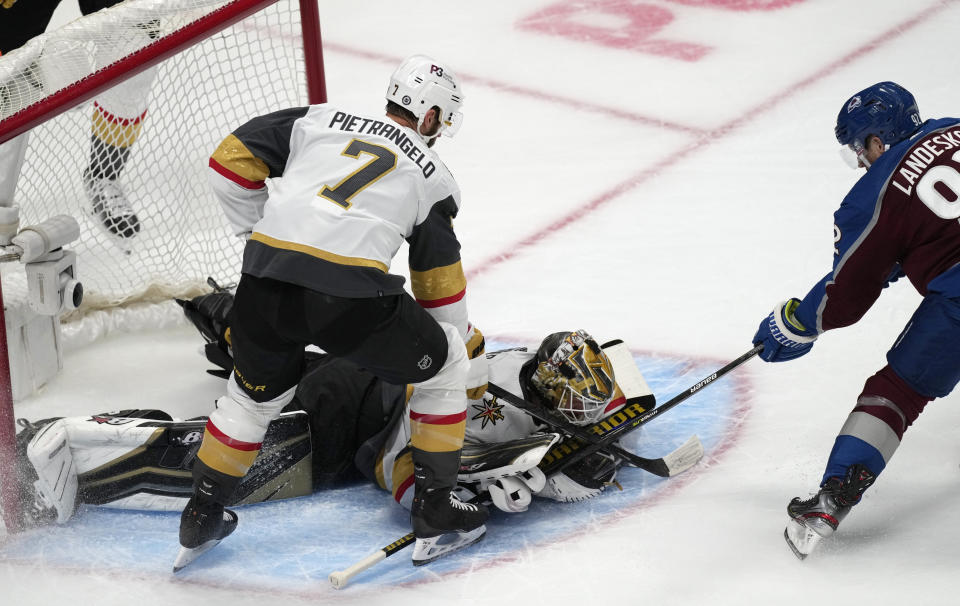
x: 217, y: 64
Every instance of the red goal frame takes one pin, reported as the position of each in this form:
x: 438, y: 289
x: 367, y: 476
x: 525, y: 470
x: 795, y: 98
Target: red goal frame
x: 85, y: 89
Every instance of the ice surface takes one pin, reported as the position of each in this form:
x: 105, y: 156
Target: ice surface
x: 667, y: 202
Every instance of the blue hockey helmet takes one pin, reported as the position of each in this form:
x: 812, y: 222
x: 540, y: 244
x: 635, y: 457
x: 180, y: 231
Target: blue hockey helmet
x: 885, y: 110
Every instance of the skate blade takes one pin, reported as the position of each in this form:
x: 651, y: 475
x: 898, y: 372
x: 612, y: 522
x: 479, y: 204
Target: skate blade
x: 428, y: 550
x: 801, y: 540
x: 124, y: 245
x: 188, y: 554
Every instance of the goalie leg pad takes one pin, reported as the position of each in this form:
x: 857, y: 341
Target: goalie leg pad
x: 485, y: 462
x: 50, y: 455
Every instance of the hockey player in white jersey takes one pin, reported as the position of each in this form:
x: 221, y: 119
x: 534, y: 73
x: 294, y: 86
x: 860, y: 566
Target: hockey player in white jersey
x: 346, y: 190
x: 344, y: 424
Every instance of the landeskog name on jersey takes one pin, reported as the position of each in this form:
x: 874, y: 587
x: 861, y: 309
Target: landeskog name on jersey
x: 916, y: 163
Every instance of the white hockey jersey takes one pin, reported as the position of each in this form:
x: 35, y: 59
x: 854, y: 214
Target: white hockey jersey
x: 345, y: 192
x: 488, y: 421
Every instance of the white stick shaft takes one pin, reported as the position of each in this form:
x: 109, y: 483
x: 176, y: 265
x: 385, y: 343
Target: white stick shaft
x: 340, y: 578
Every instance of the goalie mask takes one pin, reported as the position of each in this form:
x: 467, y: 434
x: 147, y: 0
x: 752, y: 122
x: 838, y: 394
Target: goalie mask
x: 575, y: 376
x: 419, y: 84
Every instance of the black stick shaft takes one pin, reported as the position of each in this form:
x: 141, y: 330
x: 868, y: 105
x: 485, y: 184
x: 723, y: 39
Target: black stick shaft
x: 649, y: 415
x: 568, y: 428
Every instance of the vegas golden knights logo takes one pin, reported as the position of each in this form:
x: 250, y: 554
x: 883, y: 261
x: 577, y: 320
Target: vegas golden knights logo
x: 597, y: 376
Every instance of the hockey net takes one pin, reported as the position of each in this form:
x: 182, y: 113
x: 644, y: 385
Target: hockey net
x: 201, y: 69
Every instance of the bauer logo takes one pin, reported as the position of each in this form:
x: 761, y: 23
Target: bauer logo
x: 193, y: 437
x: 854, y: 104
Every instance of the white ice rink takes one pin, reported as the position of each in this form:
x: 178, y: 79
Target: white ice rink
x: 663, y: 172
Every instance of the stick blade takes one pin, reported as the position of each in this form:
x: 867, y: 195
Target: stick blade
x: 684, y: 457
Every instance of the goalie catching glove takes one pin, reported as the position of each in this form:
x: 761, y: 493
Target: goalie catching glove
x: 582, y: 480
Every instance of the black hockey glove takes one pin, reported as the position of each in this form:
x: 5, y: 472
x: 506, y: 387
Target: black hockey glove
x: 582, y: 480
x: 593, y: 471
x: 210, y: 313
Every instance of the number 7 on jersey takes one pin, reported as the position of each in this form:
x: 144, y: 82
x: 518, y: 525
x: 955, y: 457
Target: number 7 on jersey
x: 383, y: 161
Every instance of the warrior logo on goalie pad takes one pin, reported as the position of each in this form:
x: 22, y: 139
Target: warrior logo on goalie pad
x: 602, y: 428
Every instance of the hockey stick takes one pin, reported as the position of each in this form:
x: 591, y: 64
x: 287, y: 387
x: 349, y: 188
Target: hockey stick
x: 340, y: 578
x: 617, y: 433
x: 590, y: 436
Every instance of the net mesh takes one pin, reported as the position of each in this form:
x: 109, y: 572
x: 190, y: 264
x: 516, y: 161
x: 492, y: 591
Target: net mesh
x: 130, y: 164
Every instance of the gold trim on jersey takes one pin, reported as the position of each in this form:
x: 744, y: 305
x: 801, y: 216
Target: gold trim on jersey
x: 234, y: 156
x: 113, y: 133
x: 402, y: 469
x: 318, y: 253
x: 378, y: 469
x: 439, y: 282
x: 217, y: 455
x: 437, y: 438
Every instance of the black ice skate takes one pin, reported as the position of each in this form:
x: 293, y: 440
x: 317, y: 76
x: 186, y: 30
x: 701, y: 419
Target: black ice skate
x: 816, y: 518
x: 443, y: 524
x: 109, y: 205
x: 202, y: 526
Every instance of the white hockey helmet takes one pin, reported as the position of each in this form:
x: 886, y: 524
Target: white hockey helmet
x: 421, y: 83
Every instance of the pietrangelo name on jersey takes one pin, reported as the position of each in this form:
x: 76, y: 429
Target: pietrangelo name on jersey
x: 388, y: 130
x: 915, y: 164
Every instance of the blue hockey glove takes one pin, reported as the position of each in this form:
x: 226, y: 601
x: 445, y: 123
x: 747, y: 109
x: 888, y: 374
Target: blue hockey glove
x: 783, y: 337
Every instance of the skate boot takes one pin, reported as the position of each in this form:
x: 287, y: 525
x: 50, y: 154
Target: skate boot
x: 443, y: 524
x: 818, y: 517
x: 110, y: 206
x: 203, y: 524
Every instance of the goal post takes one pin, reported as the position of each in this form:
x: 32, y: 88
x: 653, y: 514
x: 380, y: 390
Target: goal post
x: 203, y: 67
x: 74, y: 93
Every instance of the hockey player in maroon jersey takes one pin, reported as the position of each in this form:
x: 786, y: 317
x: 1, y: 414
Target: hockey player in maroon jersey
x: 346, y: 190
x: 899, y: 220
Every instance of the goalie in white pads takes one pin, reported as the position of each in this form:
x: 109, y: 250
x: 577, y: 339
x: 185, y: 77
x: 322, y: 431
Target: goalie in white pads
x: 344, y: 424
